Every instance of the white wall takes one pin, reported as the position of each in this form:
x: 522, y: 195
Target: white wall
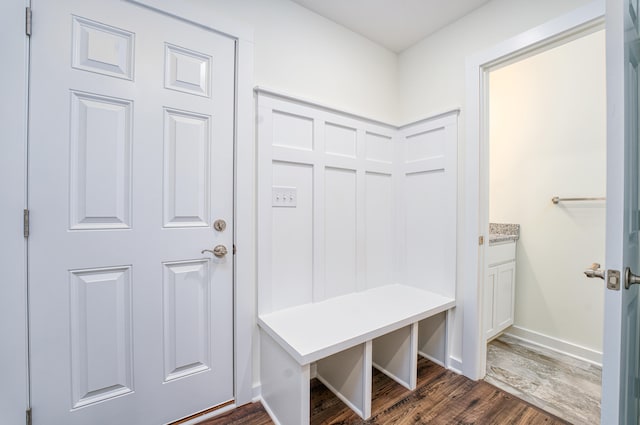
x: 431, y: 78
x: 431, y: 74
x: 301, y: 53
x: 548, y: 138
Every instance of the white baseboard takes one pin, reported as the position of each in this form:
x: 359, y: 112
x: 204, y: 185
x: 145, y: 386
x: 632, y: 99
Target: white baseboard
x: 269, y: 411
x: 455, y: 365
x: 256, y: 393
x: 555, y: 344
x: 392, y: 376
x: 431, y: 358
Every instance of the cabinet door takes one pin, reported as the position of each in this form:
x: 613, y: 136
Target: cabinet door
x: 504, y: 296
x: 489, y: 306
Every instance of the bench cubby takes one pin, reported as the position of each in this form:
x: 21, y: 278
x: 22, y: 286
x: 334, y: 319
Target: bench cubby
x: 345, y: 336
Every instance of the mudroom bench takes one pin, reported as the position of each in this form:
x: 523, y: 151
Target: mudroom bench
x: 344, y: 336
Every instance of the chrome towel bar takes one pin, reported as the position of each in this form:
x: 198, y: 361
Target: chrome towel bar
x: 557, y: 199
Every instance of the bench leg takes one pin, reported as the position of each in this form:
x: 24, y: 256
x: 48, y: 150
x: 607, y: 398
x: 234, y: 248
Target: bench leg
x: 396, y: 355
x: 348, y: 375
x: 285, y: 384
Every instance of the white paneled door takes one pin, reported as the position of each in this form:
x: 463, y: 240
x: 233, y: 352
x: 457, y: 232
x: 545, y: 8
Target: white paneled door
x: 130, y: 163
x: 621, y: 345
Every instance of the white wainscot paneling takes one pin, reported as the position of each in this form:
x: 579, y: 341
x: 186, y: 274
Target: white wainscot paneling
x: 339, y: 140
x: 101, y: 343
x: 379, y: 148
x: 340, y: 232
x: 374, y: 222
x: 292, y: 131
x: 102, y: 48
x: 379, y: 229
x: 186, y: 169
x: 187, y: 315
x: 424, y: 232
x: 100, y: 169
x: 427, y: 145
x: 292, y: 238
x: 429, y: 201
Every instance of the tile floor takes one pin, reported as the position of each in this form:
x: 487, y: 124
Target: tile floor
x: 561, y: 385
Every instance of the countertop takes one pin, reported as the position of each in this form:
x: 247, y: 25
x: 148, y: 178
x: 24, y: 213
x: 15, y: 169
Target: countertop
x: 503, y: 232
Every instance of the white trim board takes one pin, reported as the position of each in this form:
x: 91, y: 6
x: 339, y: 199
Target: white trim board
x: 431, y: 358
x: 555, y: 344
x: 475, y: 201
x: 265, y: 91
x: 193, y: 12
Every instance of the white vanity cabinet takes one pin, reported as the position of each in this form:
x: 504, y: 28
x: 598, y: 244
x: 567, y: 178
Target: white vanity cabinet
x: 499, y: 290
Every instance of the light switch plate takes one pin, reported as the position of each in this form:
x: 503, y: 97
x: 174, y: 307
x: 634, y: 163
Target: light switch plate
x: 282, y: 196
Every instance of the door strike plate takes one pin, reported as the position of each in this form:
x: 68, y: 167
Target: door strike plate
x: 613, y: 280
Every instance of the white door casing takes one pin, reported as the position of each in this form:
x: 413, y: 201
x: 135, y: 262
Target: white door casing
x: 476, y: 184
x: 131, y: 161
x: 621, y: 354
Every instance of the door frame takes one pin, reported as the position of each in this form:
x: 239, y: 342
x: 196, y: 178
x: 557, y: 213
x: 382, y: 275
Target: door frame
x: 14, y: 387
x: 475, y: 202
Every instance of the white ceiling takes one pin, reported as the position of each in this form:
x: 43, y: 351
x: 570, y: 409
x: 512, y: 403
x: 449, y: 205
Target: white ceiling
x: 394, y: 24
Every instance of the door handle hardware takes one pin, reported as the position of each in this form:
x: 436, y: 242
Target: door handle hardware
x: 594, y: 271
x: 219, y: 251
x: 630, y: 278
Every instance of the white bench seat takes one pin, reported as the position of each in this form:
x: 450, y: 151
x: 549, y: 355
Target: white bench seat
x: 310, y: 332
x: 339, y: 335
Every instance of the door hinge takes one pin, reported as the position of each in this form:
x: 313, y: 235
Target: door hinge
x: 481, y: 240
x: 25, y: 223
x: 27, y: 21
x: 28, y: 416
x: 234, y: 249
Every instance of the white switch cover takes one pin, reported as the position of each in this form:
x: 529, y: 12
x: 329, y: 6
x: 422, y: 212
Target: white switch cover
x: 284, y: 197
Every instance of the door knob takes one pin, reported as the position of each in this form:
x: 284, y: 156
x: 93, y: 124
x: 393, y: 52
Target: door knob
x: 219, y: 251
x: 594, y: 271
x: 630, y: 278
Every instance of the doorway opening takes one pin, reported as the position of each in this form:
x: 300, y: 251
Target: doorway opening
x: 543, y: 319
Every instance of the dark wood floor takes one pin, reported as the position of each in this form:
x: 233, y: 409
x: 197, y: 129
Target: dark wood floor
x: 442, y: 397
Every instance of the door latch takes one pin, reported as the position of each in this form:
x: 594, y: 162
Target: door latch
x: 594, y: 271
x: 613, y: 280
x: 612, y: 276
